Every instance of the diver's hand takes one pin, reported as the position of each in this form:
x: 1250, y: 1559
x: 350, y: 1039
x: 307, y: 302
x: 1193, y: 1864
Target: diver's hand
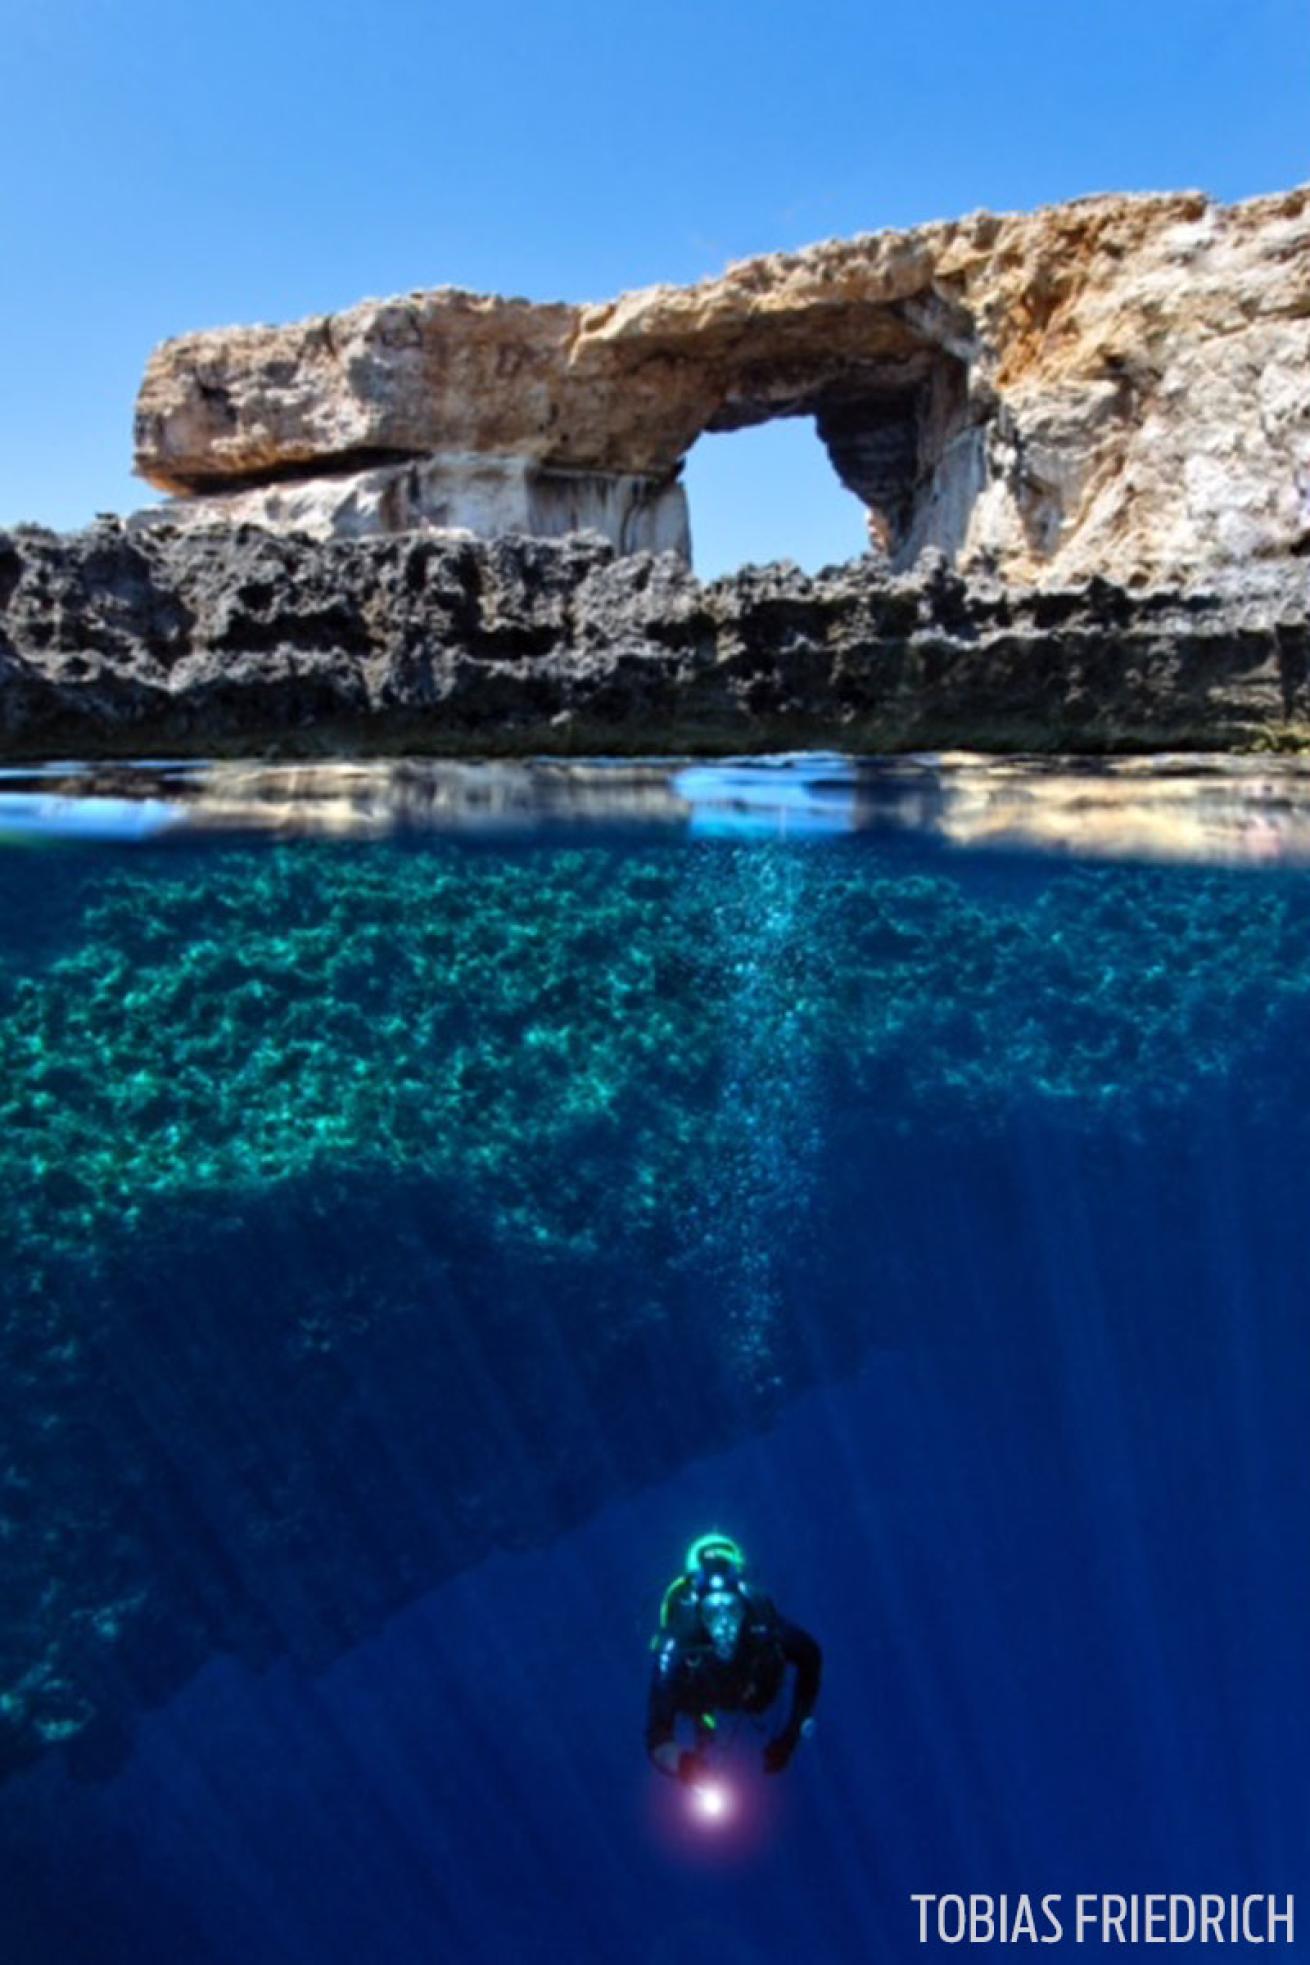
x: 690, y: 1767
x: 779, y: 1752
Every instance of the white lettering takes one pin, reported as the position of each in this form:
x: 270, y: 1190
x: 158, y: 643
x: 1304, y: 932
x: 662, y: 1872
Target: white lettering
x: 982, y: 1920
x: 959, y: 1913
x: 1177, y: 1936
x: 1277, y: 1917
x: 1155, y: 1917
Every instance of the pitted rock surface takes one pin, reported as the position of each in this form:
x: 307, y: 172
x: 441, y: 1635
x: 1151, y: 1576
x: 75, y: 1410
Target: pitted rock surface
x: 121, y: 640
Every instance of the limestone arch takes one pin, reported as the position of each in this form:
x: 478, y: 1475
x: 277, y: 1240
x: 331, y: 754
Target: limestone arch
x: 901, y: 425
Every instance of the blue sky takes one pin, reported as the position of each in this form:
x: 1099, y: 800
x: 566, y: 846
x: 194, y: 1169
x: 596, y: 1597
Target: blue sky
x: 173, y: 164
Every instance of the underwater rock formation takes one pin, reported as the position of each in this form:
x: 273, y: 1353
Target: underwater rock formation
x: 121, y: 641
x: 1116, y: 386
x: 369, y: 1209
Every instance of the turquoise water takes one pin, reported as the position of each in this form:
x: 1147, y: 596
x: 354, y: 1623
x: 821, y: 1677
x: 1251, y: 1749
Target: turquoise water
x: 432, y: 1197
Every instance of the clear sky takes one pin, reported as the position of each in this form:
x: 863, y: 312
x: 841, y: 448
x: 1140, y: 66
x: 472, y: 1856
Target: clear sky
x: 174, y: 164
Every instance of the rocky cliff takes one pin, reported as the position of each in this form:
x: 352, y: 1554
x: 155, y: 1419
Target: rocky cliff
x: 1118, y: 386
x: 118, y: 641
x: 451, y: 522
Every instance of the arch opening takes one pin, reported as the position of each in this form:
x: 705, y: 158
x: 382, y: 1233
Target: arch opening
x: 769, y: 493
x: 902, y: 435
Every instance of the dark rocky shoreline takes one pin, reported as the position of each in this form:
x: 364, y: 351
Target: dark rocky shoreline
x: 138, y: 636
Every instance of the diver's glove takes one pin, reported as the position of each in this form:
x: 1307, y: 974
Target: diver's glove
x: 691, y: 1766
x: 779, y: 1751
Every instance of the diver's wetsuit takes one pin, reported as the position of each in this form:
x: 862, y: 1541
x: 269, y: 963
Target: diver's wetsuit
x: 688, y: 1677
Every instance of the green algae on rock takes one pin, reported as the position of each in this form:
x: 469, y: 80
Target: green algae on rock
x: 260, y: 1015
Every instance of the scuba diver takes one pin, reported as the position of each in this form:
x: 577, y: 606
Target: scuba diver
x: 722, y: 1647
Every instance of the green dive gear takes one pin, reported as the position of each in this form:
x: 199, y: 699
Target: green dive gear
x: 714, y: 1551
x: 714, y: 1547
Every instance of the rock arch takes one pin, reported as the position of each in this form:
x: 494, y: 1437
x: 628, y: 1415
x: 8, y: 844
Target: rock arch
x: 1118, y: 384
x: 901, y: 434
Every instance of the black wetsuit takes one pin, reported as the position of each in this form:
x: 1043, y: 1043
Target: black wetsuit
x: 689, y: 1678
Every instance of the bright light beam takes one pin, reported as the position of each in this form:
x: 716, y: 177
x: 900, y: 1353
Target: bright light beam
x: 712, y: 1802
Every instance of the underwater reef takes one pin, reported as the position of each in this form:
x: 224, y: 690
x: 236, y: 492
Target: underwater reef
x: 367, y: 1209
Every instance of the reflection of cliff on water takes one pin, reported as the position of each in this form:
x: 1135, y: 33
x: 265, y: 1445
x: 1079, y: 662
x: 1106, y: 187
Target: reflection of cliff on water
x: 1213, y: 809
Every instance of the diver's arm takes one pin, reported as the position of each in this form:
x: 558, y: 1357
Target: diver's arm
x: 800, y: 1651
x: 662, y: 1709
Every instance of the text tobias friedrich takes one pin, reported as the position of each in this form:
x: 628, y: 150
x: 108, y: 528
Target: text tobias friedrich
x: 1154, y: 1917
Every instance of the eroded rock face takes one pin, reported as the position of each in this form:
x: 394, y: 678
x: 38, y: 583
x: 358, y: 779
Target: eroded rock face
x: 1118, y: 385
x: 482, y: 496
x: 136, y: 641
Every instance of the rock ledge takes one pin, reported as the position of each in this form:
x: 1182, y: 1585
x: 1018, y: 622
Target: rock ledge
x: 121, y: 641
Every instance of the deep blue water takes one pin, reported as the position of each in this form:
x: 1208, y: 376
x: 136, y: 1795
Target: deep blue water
x: 1035, y: 1475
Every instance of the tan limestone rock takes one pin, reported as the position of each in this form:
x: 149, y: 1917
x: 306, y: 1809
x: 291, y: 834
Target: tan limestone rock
x: 1120, y: 385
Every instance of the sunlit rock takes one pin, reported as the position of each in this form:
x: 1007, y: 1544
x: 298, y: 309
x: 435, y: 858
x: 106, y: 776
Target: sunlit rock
x: 1117, y: 385
x: 485, y: 497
